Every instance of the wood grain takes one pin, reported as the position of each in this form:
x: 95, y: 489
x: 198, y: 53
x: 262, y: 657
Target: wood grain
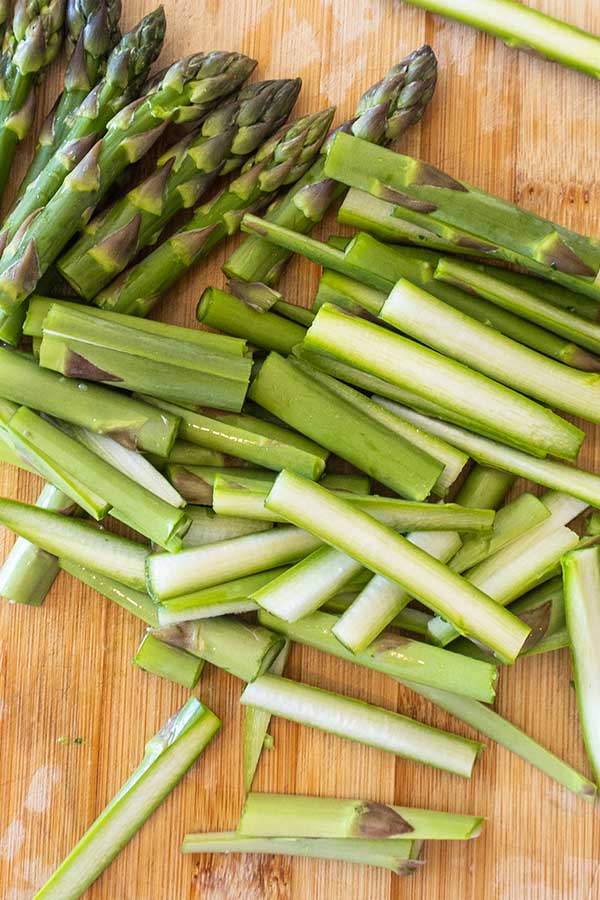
x: 515, y: 125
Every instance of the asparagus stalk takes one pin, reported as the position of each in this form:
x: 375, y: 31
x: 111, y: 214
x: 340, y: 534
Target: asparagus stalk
x: 126, y: 71
x: 462, y: 214
x: 387, y: 553
x: 489, y: 723
x: 394, y: 655
x: 92, y: 30
x: 185, y: 453
x: 209, y: 528
x: 186, y: 92
x: 197, y: 483
x: 268, y: 815
x: 362, y: 722
x: 281, y: 160
x: 168, y: 662
x: 81, y: 346
x: 265, y: 329
x: 581, y: 575
x: 351, y: 484
x: 383, y: 114
x: 408, y: 619
x: 138, y: 603
x: 191, y: 570
x: 488, y: 406
x: 290, y: 393
x: 31, y: 43
x: 245, y: 651
x: 28, y: 572
x: 526, y: 29
x: 80, y: 542
x: 425, y: 318
x: 544, y: 609
x: 554, y: 475
x: 169, y: 755
x: 349, y: 294
x: 183, y: 175
x: 256, y: 724
x: 398, y: 856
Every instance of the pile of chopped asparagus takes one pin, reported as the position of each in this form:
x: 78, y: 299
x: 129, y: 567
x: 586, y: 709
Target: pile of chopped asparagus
x: 435, y: 377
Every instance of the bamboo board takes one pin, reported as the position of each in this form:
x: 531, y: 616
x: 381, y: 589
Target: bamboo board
x: 75, y: 714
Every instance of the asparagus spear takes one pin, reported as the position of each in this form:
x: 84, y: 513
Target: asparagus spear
x: 209, y: 528
x: 28, y: 572
x: 463, y: 214
x: 92, y: 30
x: 281, y: 160
x: 168, y: 756
x: 383, y: 114
x: 183, y: 176
x: 256, y: 724
x: 138, y: 603
x: 358, y: 721
x: 169, y: 662
x: 31, y: 43
x: 468, y: 396
x: 186, y: 92
x: 526, y: 29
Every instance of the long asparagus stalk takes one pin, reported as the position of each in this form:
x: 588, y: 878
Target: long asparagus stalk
x: 256, y: 724
x: 526, y: 29
x: 281, y: 160
x: 394, y: 655
x: 31, y: 43
x: 245, y: 651
x: 358, y: 721
x: 186, y: 91
x: 383, y: 114
x: 581, y: 574
x: 138, y: 603
x: 463, y: 214
x: 387, y: 553
x: 169, y: 755
x: 183, y: 175
x: 168, y: 662
x: 467, y: 395
x: 230, y: 597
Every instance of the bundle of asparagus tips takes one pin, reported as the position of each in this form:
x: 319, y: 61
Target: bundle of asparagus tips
x: 383, y: 115
x: 183, y: 175
x: 31, y: 42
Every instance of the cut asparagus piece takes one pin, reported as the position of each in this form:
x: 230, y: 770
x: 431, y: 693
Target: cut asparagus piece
x: 526, y: 29
x: 362, y: 722
x: 268, y: 815
x: 485, y: 485
x: 245, y: 651
x: 169, y: 755
x: 352, y: 484
x: 209, y: 528
x: 387, y: 553
x: 197, y: 483
x: 168, y: 662
x: 394, y: 655
x: 544, y: 609
x: 138, y: 603
x: 289, y: 392
x: 490, y: 407
x: 408, y: 619
x: 81, y: 542
x: 401, y: 857
x: 248, y: 438
x: 581, y: 574
x: 256, y: 724
x: 132, y: 423
x: 185, y: 453
x: 28, y: 572
x: 170, y: 575
x: 348, y: 293
x: 427, y: 319
x: 495, y: 727
x: 554, y: 475
x: 265, y: 329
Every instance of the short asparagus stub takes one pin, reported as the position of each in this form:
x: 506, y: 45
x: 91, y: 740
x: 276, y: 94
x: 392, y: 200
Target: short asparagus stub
x: 256, y: 723
x: 581, y: 574
x: 169, y: 755
x: 387, y: 553
x: 168, y: 662
x: 362, y: 722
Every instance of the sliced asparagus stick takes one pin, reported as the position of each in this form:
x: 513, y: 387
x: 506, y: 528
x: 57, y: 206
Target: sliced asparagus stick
x: 265, y: 329
x: 495, y: 727
x: 394, y: 655
x: 138, y: 603
x: 408, y: 619
x: 197, y: 483
x: 387, y: 553
x: 169, y: 755
x: 209, y: 528
x: 168, y: 662
x: 245, y: 651
x: 352, y: 484
x: 256, y: 724
x: 268, y: 815
x: 358, y: 721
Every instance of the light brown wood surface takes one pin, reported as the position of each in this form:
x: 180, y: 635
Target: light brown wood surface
x: 521, y: 127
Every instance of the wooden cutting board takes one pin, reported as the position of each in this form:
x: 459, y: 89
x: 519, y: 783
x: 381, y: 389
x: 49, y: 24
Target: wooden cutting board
x: 75, y: 713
